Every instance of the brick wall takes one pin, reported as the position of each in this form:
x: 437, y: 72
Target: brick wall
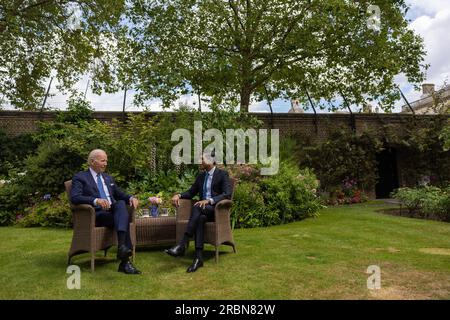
x: 19, y: 122
x: 303, y: 125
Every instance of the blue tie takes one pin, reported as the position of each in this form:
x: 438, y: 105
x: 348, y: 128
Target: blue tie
x: 205, y: 185
x: 100, y: 188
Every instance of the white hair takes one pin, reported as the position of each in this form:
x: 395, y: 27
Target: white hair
x: 209, y: 157
x: 94, y: 154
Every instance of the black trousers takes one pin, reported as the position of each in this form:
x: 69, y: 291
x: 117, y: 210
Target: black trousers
x: 196, y: 224
x: 117, y: 218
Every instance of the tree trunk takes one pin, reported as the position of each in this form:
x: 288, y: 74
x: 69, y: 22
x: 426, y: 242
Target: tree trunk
x: 246, y: 92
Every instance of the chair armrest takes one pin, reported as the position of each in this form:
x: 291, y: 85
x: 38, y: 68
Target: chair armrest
x: 82, y: 207
x: 224, y: 204
x: 131, y: 214
x: 184, y: 210
x: 222, y: 211
x: 83, y: 215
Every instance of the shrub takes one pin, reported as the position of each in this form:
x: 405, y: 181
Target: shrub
x: 54, y: 163
x: 410, y: 197
x: 6, y: 217
x: 50, y: 213
x: 445, y: 136
x: 292, y: 193
x: 345, y: 154
x: 249, y: 209
x: 13, y: 198
x: 78, y: 110
x: 347, y: 193
x: 14, y: 150
x: 436, y: 202
x: 243, y: 172
x: 169, y: 182
x: 423, y: 150
x: 427, y: 200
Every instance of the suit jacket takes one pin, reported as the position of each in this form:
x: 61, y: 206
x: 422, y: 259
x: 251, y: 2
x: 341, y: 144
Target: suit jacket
x: 85, y: 190
x: 220, y: 186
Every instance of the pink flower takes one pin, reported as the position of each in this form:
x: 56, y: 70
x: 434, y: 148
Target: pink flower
x: 155, y: 200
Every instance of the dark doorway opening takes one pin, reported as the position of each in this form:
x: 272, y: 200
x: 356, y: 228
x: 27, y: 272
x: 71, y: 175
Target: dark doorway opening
x: 387, y: 173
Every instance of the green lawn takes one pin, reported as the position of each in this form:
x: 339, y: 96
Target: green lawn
x: 323, y: 258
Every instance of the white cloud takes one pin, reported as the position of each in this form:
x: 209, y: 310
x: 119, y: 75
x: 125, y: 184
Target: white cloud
x: 431, y: 20
x: 428, y: 7
x: 436, y: 33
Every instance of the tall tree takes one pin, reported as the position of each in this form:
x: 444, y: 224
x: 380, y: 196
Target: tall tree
x: 235, y: 49
x: 64, y: 38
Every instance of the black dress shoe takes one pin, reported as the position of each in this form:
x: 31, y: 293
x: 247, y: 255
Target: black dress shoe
x: 195, y: 265
x: 123, y: 253
x: 128, y: 268
x: 175, y: 251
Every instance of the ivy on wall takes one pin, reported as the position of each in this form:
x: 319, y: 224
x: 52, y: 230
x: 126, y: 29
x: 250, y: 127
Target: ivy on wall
x: 348, y: 155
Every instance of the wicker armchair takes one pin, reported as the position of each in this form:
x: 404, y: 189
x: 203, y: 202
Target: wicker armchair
x: 89, y: 238
x: 216, y: 233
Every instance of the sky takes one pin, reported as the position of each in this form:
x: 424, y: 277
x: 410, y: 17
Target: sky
x: 428, y: 18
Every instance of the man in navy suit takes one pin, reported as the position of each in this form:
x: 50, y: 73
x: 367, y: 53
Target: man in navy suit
x: 98, y: 189
x: 212, y: 185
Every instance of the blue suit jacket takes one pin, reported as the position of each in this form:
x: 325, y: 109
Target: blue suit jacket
x: 85, y: 190
x: 220, y: 186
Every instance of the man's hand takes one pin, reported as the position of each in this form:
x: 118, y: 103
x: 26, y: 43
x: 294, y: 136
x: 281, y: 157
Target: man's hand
x: 104, y: 204
x: 134, y: 202
x: 202, y: 204
x: 176, y: 200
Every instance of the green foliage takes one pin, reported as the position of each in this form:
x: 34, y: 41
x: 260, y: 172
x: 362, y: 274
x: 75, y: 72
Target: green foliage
x: 55, y: 162
x: 79, y: 110
x: 6, y: 217
x: 41, y: 37
x: 347, y: 193
x: 423, y: 151
x: 13, y: 198
x: 349, y: 156
x: 168, y: 181
x: 445, y: 136
x: 139, y: 152
x: 243, y: 48
x: 290, y: 148
x: 43, y: 173
x: 243, y: 172
x: 14, y: 150
x: 288, y: 196
x: 249, y: 209
x: 428, y: 200
x: 345, y: 155
x: 292, y: 193
x: 51, y: 213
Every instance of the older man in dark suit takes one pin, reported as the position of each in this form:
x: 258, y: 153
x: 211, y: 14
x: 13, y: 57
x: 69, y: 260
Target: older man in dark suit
x: 212, y: 185
x: 98, y: 189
